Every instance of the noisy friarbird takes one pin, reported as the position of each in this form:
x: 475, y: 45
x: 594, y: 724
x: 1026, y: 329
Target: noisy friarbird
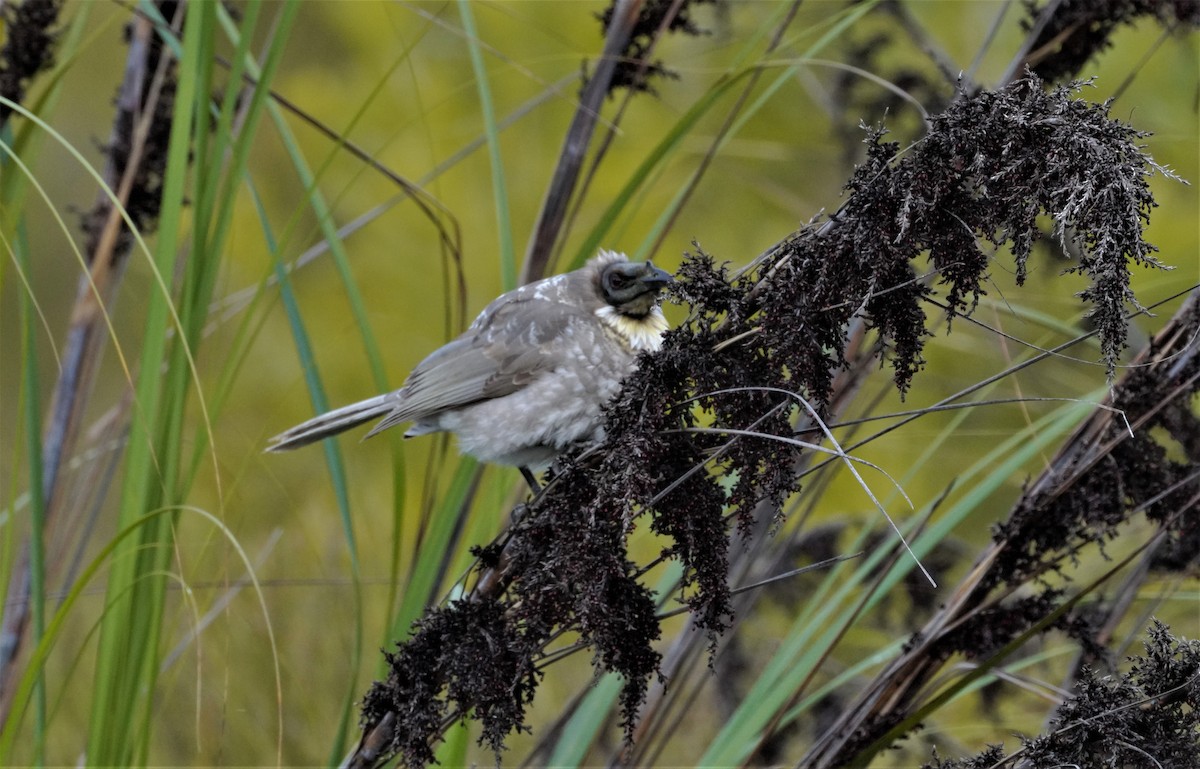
x: 531, y: 375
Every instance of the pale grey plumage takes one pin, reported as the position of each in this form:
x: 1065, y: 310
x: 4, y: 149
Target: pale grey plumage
x: 531, y: 375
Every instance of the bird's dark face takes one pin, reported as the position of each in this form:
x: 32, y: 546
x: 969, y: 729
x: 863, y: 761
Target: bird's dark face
x: 632, y: 287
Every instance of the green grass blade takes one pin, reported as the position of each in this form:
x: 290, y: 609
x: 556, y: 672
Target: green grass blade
x: 32, y: 428
x: 430, y: 558
x: 508, y: 260
x: 129, y: 634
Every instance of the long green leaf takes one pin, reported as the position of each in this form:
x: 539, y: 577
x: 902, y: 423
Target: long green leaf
x: 508, y: 259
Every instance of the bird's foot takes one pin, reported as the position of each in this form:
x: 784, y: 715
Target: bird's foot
x: 534, y: 486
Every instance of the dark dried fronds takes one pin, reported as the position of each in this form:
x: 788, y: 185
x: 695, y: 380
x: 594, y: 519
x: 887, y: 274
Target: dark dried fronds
x: 654, y: 17
x: 136, y: 146
x: 990, y: 166
x: 995, y: 626
x: 28, y: 48
x: 760, y: 349
x: 996, y: 161
x: 1105, y: 475
x: 474, y: 652
x: 991, y: 758
x: 1146, y: 717
x: 1101, y: 480
x: 1070, y: 32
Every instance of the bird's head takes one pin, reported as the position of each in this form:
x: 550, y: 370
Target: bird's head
x: 631, y: 288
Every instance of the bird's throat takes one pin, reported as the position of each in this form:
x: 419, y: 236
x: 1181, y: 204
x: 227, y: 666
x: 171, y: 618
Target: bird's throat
x: 641, y: 332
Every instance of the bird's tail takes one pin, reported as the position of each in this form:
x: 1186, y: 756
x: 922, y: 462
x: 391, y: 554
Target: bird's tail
x: 332, y: 423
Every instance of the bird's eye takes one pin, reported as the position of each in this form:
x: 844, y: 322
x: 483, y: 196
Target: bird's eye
x: 617, y: 280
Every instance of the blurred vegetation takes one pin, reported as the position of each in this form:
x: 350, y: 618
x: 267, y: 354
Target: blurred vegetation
x: 176, y: 597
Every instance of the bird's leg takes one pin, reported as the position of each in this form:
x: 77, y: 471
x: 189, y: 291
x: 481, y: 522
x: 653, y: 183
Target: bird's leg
x: 374, y: 743
x: 534, y: 486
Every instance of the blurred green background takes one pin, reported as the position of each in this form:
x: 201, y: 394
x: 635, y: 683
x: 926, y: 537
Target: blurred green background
x: 396, y: 79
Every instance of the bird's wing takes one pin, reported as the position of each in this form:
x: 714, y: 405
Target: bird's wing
x: 507, y: 348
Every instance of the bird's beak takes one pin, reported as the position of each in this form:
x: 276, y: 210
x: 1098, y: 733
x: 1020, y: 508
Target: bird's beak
x: 656, y: 278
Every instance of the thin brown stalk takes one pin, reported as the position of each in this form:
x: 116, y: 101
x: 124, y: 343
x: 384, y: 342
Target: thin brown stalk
x: 548, y: 227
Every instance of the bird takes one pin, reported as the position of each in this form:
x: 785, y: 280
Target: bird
x: 531, y: 375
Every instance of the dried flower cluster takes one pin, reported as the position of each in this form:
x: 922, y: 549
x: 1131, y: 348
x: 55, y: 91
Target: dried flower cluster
x: 755, y: 345
x: 634, y: 70
x: 150, y: 162
x: 1147, y: 716
x: 28, y: 48
x: 1069, y: 33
